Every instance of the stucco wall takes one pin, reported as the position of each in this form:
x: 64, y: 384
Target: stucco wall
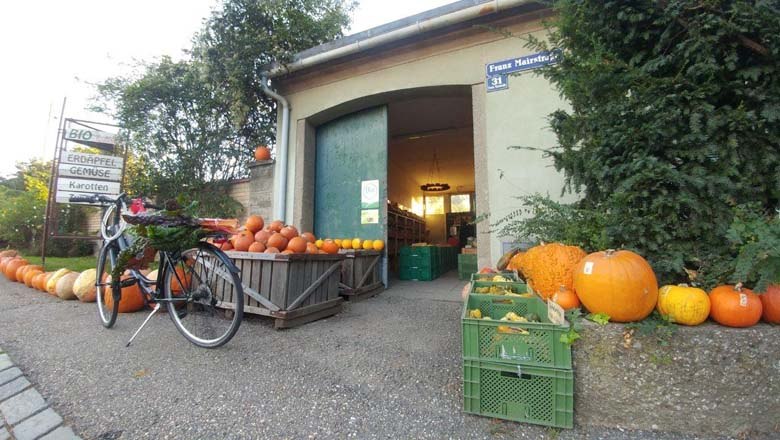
x: 512, y: 117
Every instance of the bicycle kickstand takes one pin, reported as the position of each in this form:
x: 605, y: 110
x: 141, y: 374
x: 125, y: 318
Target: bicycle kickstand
x: 156, y: 308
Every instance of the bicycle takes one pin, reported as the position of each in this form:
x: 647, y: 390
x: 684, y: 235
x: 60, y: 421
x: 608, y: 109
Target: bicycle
x: 200, y: 287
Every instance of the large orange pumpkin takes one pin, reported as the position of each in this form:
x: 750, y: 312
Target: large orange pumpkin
x: 29, y: 275
x: 277, y: 241
x: 547, y: 267
x: 176, y: 285
x: 330, y: 247
x: 735, y: 306
x: 297, y: 245
x: 254, y: 223
x: 514, y: 262
x: 621, y: 284
x: 262, y: 153
x: 131, y: 300
x: 770, y: 302
x: 40, y: 284
x: 308, y: 236
x: 311, y: 248
x: 13, y: 266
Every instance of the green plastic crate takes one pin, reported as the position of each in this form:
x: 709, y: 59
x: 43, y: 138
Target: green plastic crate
x: 413, y: 273
x: 536, y: 344
x: 517, y: 287
x: 541, y: 396
x: 465, y: 272
x: 512, y: 275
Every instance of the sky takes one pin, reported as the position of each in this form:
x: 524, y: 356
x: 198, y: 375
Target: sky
x: 54, y: 49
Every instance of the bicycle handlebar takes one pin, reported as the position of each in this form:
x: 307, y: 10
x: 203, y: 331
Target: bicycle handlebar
x: 104, y: 199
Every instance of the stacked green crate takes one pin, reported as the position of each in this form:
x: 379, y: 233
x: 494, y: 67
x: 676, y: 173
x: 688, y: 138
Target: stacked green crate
x: 467, y: 265
x: 418, y: 263
x: 514, y: 370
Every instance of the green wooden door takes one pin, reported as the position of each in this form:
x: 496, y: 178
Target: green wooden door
x: 350, y: 151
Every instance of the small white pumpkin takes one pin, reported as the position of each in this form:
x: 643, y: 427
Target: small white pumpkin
x: 51, y: 285
x: 64, y: 287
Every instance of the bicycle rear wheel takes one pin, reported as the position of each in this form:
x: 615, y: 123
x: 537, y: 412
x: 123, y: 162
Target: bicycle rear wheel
x: 206, y: 296
x: 107, y: 310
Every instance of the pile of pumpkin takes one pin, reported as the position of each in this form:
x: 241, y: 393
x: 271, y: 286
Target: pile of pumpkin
x: 622, y: 285
x: 278, y: 238
x: 62, y: 283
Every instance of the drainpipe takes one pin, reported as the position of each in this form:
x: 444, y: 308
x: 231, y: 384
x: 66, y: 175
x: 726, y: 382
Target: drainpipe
x: 280, y: 208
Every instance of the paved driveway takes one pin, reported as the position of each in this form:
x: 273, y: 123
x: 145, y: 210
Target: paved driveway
x: 388, y: 367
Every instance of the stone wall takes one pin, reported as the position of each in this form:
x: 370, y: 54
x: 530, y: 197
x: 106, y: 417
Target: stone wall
x: 709, y: 380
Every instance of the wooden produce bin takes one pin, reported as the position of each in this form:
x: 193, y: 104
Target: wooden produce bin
x: 361, y: 274
x: 293, y: 289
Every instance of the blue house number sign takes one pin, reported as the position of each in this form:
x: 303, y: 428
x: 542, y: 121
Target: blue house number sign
x: 497, y: 74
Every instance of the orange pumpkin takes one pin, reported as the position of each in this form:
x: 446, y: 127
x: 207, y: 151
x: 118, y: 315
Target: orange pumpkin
x: 271, y: 250
x: 289, y: 232
x: 29, y: 275
x: 311, y: 248
x: 308, y: 236
x: 226, y: 246
x: 276, y: 226
x: 243, y: 241
x: 262, y: 236
x: 257, y: 247
x: 254, y: 223
x: 277, y: 241
x: 288, y: 251
x: 547, y: 267
x: 566, y: 298
x: 13, y: 266
x: 41, y: 284
x: 130, y: 301
x: 297, y: 244
x: 621, y: 284
x: 4, y: 262
x: 262, y: 153
x: 514, y: 262
x: 770, y: 303
x: 330, y: 247
x: 735, y: 306
x: 485, y: 270
x: 176, y: 285
x: 22, y: 271
x: 38, y: 280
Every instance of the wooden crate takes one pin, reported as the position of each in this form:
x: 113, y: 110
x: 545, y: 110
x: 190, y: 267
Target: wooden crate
x: 361, y: 274
x: 293, y: 289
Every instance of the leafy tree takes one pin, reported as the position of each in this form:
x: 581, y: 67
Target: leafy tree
x: 193, y: 124
x: 23, y: 207
x: 674, y: 120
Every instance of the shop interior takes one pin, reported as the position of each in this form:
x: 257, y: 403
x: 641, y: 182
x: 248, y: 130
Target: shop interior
x: 430, y: 142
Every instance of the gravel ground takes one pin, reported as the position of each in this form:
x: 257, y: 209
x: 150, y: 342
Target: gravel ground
x: 388, y: 367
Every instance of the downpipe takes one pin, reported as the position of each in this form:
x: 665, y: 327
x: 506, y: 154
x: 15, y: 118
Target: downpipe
x: 280, y: 203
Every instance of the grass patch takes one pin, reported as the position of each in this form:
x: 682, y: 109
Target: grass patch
x: 76, y: 264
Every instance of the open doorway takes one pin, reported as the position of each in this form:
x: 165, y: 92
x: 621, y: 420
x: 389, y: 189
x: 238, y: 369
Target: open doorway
x: 430, y: 140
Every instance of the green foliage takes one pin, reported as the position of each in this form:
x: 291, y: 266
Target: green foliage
x: 23, y: 207
x: 598, y: 318
x: 574, y: 316
x: 756, y: 238
x: 674, y: 109
x: 546, y: 220
x: 656, y: 326
x: 193, y: 124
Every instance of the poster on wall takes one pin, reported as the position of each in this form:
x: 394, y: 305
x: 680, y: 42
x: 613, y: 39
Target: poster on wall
x: 369, y: 216
x: 369, y: 194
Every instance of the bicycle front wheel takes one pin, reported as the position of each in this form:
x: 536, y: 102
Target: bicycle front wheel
x: 205, y: 296
x: 107, y: 299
